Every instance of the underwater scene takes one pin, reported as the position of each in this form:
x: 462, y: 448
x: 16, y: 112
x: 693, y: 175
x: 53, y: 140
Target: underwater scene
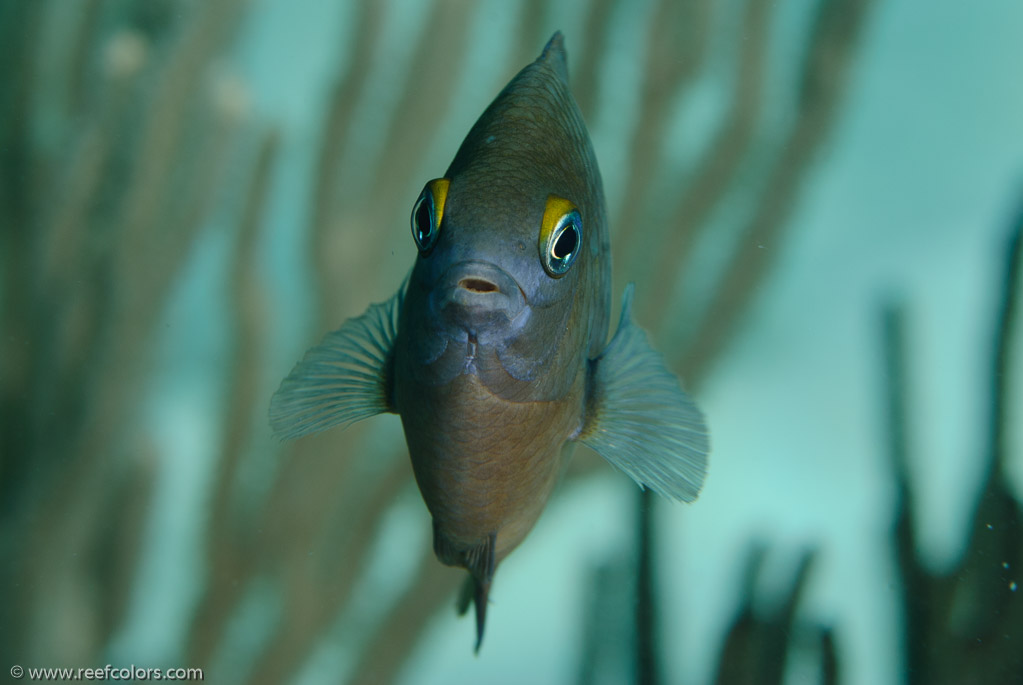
x: 588, y: 342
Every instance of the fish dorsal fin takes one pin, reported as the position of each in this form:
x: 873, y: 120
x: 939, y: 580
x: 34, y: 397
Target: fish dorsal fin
x: 639, y: 418
x: 347, y: 377
x: 554, y: 55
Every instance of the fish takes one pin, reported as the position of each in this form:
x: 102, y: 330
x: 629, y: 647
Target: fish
x: 494, y: 350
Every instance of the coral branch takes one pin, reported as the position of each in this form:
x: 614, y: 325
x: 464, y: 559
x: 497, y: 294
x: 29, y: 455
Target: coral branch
x: 827, y: 66
x: 432, y: 589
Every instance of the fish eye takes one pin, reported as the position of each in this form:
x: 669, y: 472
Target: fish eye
x: 427, y: 213
x: 561, y: 235
x: 564, y: 244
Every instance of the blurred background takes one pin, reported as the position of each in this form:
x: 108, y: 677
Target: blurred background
x: 819, y: 201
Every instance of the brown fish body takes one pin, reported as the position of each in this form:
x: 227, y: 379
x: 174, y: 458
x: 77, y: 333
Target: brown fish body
x: 485, y: 465
x: 494, y: 352
x: 486, y: 418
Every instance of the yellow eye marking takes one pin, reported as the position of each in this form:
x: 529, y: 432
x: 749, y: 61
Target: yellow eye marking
x: 560, y: 236
x: 439, y: 188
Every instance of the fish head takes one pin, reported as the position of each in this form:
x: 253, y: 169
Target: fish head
x: 512, y: 276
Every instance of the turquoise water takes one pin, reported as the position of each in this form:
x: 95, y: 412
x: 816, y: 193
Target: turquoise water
x: 909, y: 194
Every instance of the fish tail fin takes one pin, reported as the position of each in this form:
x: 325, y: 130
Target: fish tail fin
x: 474, y: 592
x: 465, y: 595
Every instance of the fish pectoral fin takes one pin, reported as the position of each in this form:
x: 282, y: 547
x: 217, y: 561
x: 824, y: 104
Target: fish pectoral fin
x: 347, y: 377
x: 639, y: 418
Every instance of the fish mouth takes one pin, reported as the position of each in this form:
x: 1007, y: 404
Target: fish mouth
x: 478, y: 285
x: 475, y: 294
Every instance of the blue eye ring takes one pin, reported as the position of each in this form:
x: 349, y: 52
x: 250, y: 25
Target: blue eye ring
x: 561, y: 236
x: 427, y: 213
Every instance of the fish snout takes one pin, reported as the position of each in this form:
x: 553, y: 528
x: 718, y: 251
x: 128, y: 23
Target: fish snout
x: 474, y: 294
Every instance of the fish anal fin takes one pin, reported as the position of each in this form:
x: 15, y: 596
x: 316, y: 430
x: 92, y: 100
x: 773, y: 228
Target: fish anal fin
x: 480, y: 562
x: 480, y: 600
x: 639, y: 418
x: 480, y: 559
x: 347, y: 377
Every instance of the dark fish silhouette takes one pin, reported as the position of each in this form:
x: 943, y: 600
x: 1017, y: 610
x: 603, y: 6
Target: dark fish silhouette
x: 494, y: 352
